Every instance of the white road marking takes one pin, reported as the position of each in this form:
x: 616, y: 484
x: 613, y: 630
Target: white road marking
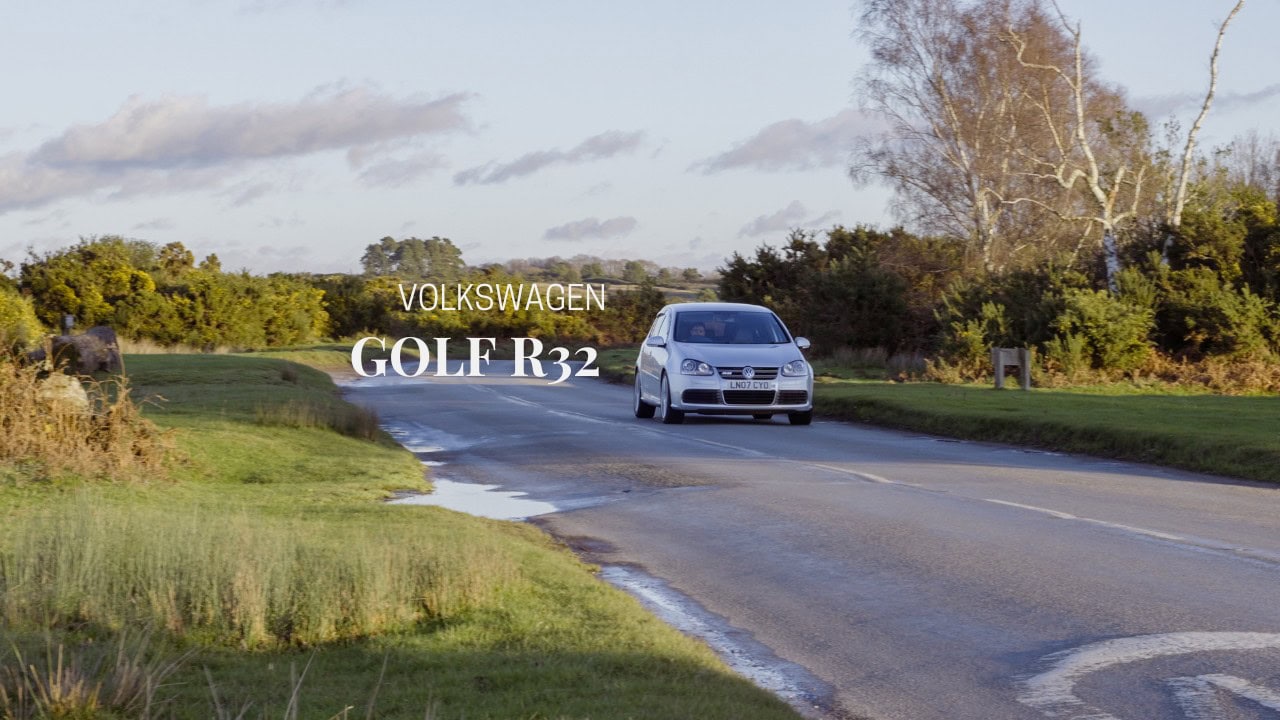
x: 1198, y: 696
x: 856, y: 473
x: 1105, y: 523
x: 1033, y: 508
x: 1053, y: 692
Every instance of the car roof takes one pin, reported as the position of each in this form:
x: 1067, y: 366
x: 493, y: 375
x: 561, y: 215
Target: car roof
x: 716, y: 306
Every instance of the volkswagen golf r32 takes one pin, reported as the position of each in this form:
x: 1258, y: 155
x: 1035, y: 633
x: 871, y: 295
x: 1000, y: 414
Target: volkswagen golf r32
x: 722, y: 359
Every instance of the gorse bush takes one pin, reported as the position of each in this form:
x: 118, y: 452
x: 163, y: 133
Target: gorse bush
x: 239, y: 579
x: 19, y: 327
x: 144, y: 291
x: 1110, y: 332
x: 1199, y: 314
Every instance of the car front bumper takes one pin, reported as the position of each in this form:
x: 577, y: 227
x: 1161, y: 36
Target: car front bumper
x: 712, y: 396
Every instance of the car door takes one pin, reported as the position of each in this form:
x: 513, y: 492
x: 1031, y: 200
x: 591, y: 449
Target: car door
x: 653, y: 357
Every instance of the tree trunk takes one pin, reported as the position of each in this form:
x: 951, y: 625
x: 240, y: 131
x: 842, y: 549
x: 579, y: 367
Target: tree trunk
x: 1112, y: 255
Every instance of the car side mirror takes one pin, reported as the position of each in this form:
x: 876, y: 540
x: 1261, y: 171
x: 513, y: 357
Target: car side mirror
x: 802, y: 343
x: 655, y: 341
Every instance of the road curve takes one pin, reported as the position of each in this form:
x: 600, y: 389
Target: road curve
x: 920, y: 577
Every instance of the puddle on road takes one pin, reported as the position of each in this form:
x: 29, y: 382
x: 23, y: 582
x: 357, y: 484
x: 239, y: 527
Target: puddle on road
x: 482, y: 500
x: 737, y: 648
x: 419, y: 438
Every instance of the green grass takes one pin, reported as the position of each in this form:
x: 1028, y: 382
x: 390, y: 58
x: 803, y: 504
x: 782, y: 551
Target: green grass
x: 1226, y: 435
x: 1179, y: 427
x: 269, y: 552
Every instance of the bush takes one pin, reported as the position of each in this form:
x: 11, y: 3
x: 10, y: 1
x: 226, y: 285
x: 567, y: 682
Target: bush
x: 966, y: 352
x: 1200, y: 315
x: 1111, y: 332
x: 20, y: 329
x: 46, y: 430
x: 1067, y: 355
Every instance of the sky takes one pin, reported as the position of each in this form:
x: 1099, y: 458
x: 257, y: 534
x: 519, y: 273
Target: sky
x: 286, y: 135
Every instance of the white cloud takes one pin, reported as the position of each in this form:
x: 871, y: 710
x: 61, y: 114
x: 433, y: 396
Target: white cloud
x: 186, y: 132
x: 161, y: 223
x: 394, y: 172
x: 592, y: 229
x: 789, y: 217
x: 597, y: 147
x: 795, y: 144
x: 178, y: 143
x: 1158, y: 106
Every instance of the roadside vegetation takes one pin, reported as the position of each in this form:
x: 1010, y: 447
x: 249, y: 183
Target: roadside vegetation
x: 258, y: 574
x: 1169, y: 424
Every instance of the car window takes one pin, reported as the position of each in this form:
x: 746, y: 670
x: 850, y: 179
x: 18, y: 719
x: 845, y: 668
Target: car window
x: 653, y: 329
x: 663, y: 329
x: 729, y: 327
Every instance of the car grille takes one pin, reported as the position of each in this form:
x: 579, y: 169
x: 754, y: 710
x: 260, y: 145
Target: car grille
x: 793, y: 397
x: 701, y: 397
x: 748, y: 397
x: 735, y: 373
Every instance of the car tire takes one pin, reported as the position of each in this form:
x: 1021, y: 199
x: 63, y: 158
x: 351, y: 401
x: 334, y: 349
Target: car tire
x: 670, y: 415
x: 763, y: 416
x: 643, y: 409
x: 800, y: 418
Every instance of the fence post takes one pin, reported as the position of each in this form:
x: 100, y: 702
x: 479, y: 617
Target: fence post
x: 1003, y: 357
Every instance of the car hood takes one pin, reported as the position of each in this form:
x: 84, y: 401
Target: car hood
x: 739, y: 355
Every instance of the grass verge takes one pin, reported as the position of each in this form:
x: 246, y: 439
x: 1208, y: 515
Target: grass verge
x: 268, y: 565
x: 1225, y: 435
x: 1192, y: 429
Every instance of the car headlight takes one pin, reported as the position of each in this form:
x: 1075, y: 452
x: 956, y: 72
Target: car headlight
x: 696, y: 367
x: 795, y: 368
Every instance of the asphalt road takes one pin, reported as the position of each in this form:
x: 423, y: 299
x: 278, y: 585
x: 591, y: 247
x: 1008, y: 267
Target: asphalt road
x: 919, y: 577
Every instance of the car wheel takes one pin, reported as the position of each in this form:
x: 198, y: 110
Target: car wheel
x: 643, y: 409
x: 670, y: 415
x: 800, y: 418
x: 763, y: 416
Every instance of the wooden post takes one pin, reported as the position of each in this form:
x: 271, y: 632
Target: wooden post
x: 1003, y: 357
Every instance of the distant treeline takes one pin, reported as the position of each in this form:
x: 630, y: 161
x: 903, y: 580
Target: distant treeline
x: 159, y: 293
x: 1209, y: 288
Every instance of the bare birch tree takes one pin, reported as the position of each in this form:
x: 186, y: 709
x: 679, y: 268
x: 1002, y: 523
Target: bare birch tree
x: 1174, y: 216
x: 954, y: 96
x: 1100, y: 149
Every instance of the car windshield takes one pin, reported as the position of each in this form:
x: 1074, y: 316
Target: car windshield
x: 729, y: 327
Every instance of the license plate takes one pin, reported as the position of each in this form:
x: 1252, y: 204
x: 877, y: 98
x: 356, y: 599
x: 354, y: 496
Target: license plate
x: 750, y: 385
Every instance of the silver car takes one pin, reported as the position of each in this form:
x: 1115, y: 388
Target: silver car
x: 722, y: 359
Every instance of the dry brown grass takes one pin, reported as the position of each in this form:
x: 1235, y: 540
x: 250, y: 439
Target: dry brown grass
x: 1221, y: 375
x: 350, y: 420
x: 89, y: 681
x: 144, y: 346
x: 48, y: 436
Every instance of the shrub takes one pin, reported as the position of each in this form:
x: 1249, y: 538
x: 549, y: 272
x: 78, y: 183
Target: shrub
x: 1111, y: 332
x: 966, y: 352
x: 52, y: 433
x: 1201, y: 315
x: 19, y: 327
x: 1067, y: 355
